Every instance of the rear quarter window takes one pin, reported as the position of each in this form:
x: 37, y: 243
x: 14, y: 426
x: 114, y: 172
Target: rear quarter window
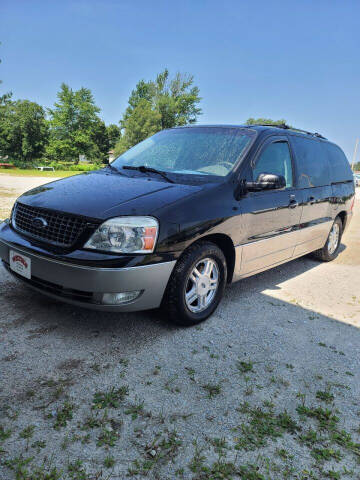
x: 340, y: 170
x: 312, y: 164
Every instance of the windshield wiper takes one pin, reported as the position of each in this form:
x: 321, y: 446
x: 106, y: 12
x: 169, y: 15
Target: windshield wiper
x: 116, y: 170
x: 144, y: 169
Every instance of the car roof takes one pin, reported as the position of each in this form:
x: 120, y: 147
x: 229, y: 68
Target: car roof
x: 278, y: 130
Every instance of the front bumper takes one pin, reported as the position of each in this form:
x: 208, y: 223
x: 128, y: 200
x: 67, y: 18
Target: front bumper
x: 84, y: 286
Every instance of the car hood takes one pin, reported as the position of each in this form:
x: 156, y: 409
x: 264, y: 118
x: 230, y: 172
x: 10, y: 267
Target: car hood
x: 104, y: 195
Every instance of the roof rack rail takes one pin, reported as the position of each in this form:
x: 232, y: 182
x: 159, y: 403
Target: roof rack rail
x: 287, y: 127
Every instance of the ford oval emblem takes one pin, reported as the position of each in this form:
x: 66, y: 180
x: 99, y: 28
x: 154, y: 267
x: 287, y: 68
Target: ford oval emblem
x: 39, y: 222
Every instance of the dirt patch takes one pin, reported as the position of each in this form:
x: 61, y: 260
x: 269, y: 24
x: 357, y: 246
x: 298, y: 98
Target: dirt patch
x: 11, y: 187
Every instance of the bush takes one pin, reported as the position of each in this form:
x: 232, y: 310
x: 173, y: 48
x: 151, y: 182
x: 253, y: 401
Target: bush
x: 68, y: 166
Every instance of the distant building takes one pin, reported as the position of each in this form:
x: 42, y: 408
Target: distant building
x: 112, y: 156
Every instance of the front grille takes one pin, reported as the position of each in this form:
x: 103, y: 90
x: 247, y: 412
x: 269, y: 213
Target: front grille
x: 60, y: 229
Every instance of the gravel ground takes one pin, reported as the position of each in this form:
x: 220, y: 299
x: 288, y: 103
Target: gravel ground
x: 268, y: 388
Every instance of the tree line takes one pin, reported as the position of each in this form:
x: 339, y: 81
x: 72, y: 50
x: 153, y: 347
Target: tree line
x: 73, y: 126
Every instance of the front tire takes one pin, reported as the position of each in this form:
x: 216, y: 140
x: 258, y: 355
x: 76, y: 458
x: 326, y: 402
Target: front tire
x: 196, y: 285
x: 331, y: 248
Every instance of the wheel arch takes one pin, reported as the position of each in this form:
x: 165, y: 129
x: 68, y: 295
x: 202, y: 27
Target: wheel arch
x: 226, y: 245
x: 343, y: 217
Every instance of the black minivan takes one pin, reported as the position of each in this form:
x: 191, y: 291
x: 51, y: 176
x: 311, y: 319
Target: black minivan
x: 174, y: 219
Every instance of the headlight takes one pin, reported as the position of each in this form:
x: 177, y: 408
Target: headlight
x: 125, y: 235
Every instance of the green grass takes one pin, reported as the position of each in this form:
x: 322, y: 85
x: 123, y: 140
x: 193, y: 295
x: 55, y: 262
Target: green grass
x: 36, y: 173
x: 111, y: 398
x: 63, y: 415
x: 263, y: 425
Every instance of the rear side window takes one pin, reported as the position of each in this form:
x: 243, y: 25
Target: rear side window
x: 312, y: 163
x: 340, y: 170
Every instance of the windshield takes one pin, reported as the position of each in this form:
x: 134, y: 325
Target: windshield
x: 194, y: 150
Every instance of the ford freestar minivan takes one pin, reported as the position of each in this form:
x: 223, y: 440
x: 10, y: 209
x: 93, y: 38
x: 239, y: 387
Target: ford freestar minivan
x: 174, y: 219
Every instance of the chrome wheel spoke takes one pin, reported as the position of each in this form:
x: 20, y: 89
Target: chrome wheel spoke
x: 202, y: 302
x: 195, y: 275
x: 191, y: 296
x: 208, y: 268
x: 334, y: 237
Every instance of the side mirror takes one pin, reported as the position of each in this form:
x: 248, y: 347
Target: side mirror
x: 266, y: 181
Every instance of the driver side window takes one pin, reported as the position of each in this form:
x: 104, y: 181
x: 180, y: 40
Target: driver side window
x: 275, y: 159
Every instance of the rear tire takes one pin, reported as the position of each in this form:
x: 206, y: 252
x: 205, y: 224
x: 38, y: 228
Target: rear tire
x: 196, y: 285
x: 331, y: 248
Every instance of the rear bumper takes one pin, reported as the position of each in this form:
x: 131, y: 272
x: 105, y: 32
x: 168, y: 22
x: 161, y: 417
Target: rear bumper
x: 84, y: 286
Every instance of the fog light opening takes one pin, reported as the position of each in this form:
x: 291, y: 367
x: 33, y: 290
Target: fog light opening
x: 119, y: 298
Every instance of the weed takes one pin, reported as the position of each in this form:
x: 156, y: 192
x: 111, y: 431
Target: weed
x: 169, y: 383
x: 326, y: 454
x: 124, y: 362
x: 162, y: 449
x: 109, y: 462
x: 310, y: 437
x: 326, y: 418
x: 110, y: 398
x: 284, y: 454
x: 23, y: 470
x: 332, y: 474
x: 214, y: 355
x: 219, y: 444
x: 28, y: 432
x: 135, y: 410
x: 221, y: 469
x: 245, y: 367
x: 107, y: 437
x: 249, y: 390
x: 76, y: 471
x: 96, y: 367
x: 212, y: 389
x: 4, y: 434
x: 191, y: 373
x: 92, y: 422
x: 343, y: 438
x: 38, y: 445
x: 263, y: 425
x: 63, y: 415
x: 30, y: 394
x: 325, y: 396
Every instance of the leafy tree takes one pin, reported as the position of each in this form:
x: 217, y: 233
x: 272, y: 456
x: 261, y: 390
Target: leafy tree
x: 101, y: 140
x: 159, y: 104
x: 269, y: 121
x: 24, y: 130
x: 113, y: 133
x: 143, y: 122
x: 75, y: 125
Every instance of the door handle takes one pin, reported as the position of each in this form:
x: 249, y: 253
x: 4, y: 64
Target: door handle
x: 311, y: 200
x: 293, y: 202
